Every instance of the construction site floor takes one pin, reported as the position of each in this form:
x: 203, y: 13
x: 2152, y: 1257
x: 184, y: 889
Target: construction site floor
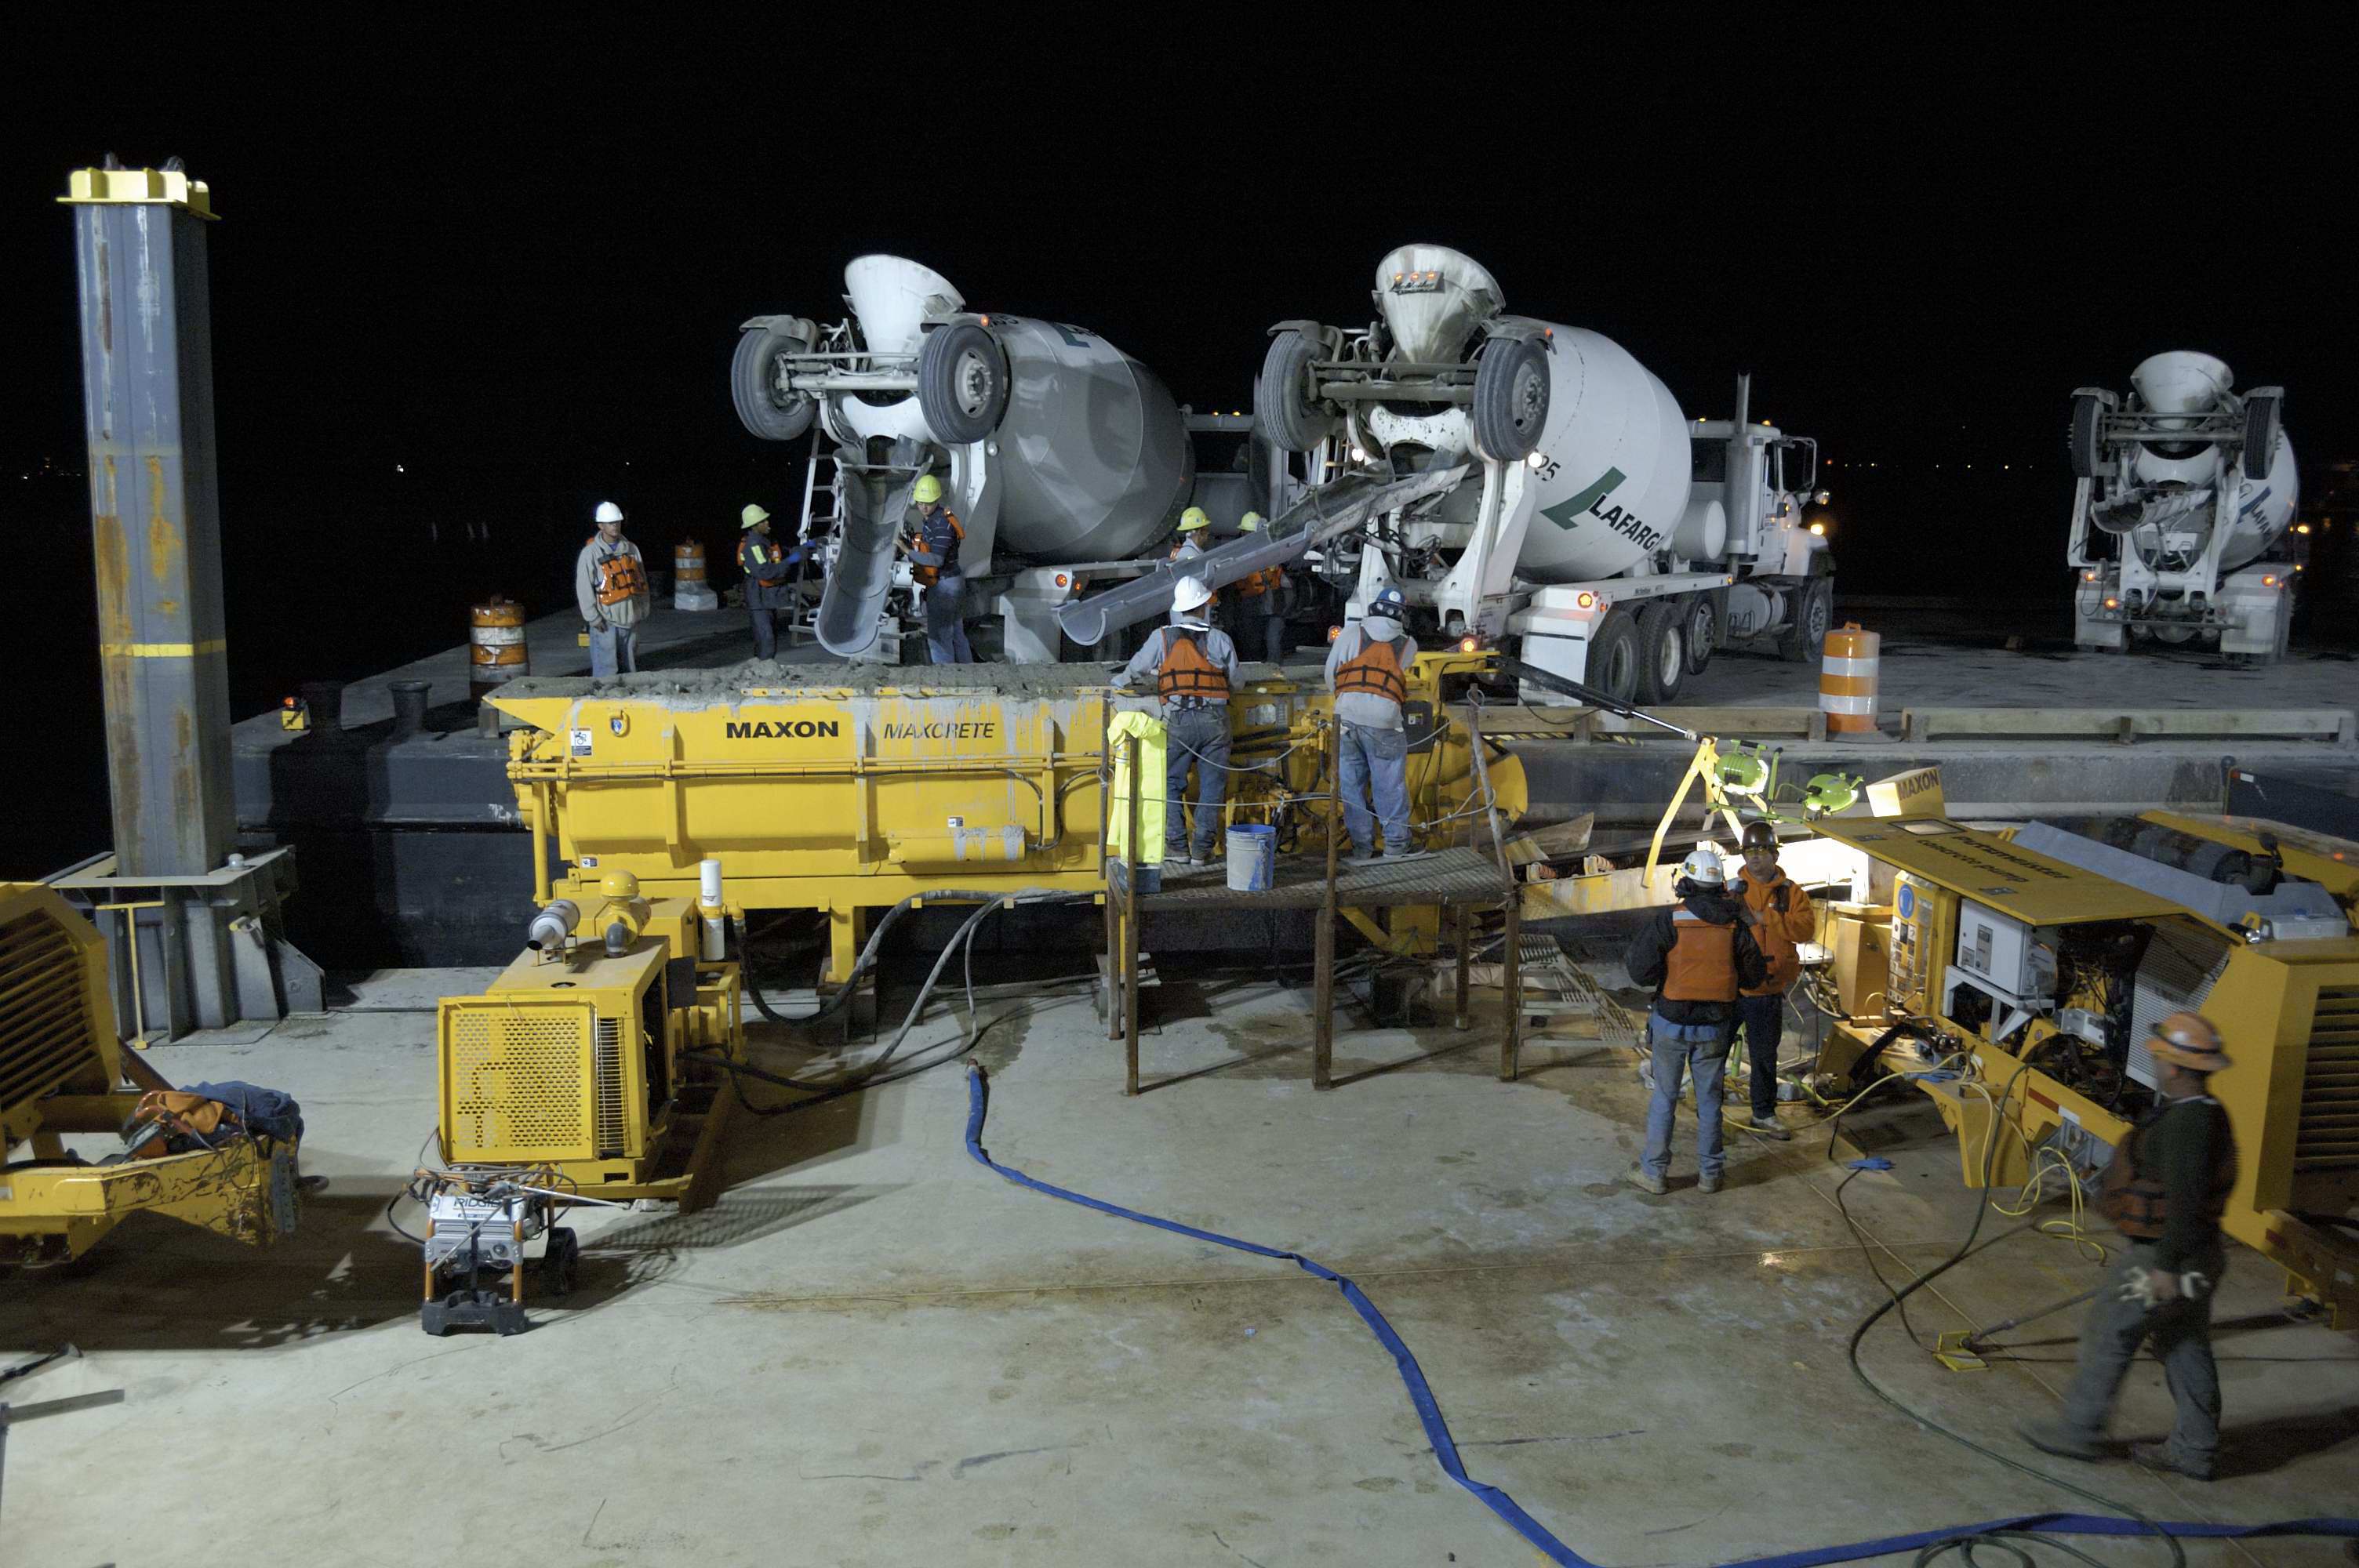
x: 875, y: 1352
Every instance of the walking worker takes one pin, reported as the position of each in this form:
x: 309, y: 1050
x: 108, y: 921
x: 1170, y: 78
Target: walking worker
x: 1783, y: 918
x: 1195, y: 530
x: 934, y: 560
x: 1261, y: 603
x: 1195, y: 668
x: 2165, y: 1190
x: 1699, y: 955
x: 609, y: 585
x: 768, y: 586
x: 1367, y: 671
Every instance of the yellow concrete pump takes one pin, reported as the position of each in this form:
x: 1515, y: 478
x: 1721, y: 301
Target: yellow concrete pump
x: 64, y: 1072
x: 589, y: 1071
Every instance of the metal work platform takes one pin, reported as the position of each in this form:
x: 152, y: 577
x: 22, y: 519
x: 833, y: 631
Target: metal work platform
x: 1446, y: 878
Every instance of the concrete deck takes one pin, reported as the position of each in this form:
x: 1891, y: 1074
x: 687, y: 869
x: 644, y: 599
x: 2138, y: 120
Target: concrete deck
x: 874, y: 1352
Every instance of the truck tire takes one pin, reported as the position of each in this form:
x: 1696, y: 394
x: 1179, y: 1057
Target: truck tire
x: 1705, y: 616
x: 961, y: 383
x: 1613, y: 660
x: 2260, y: 436
x: 761, y: 409
x: 1283, y: 409
x: 1662, y: 651
x: 2088, y: 416
x: 1511, y: 398
x: 1814, y: 612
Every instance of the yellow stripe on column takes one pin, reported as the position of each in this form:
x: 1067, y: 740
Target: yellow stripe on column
x: 162, y: 649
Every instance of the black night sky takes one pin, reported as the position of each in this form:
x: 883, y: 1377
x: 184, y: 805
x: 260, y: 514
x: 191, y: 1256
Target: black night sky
x: 461, y: 280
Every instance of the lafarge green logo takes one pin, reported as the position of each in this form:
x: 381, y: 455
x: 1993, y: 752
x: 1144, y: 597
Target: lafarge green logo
x: 1567, y: 514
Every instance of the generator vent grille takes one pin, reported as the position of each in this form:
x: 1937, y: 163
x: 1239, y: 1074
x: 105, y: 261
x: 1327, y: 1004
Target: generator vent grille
x: 45, y: 1034
x: 2327, y: 1137
x: 610, y: 1088
x: 517, y: 1083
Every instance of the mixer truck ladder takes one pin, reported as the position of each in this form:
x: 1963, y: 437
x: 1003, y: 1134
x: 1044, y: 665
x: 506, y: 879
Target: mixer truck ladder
x: 803, y: 622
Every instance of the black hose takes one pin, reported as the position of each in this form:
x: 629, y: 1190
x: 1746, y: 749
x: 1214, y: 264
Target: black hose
x: 844, y: 993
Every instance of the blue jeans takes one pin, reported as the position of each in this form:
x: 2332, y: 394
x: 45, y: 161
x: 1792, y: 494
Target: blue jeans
x: 1378, y: 759
x: 1764, y: 1018
x: 946, y: 641
x: 1679, y: 1049
x: 614, y: 651
x: 1197, y: 737
x: 2179, y: 1335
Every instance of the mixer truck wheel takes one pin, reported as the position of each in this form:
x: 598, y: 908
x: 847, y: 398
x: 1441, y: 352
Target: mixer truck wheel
x: 1703, y: 629
x: 1511, y: 398
x: 1282, y: 406
x: 1613, y: 661
x: 2088, y: 412
x: 761, y: 409
x: 2260, y: 436
x: 1814, y: 612
x: 1662, y: 652
x: 961, y: 383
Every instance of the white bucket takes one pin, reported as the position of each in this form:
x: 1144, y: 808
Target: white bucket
x: 1253, y: 858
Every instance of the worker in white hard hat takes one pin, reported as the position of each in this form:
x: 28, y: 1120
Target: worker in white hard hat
x: 1194, y: 667
x: 934, y: 562
x: 1261, y: 601
x: 1367, y: 669
x: 770, y: 577
x: 2165, y: 1190
x: 609, y: 585
x: 1698, y: 955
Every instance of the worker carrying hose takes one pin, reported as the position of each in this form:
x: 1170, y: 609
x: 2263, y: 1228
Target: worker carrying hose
x: 1195, y: 668
x: 1367, y: 670
x: 1261, y: 603
x: 1700, y: 956
x: 609, y: 585
x: 2165, y: 1190
x: 1195, y: 528
x: 770, y: 585
x: 1782, y: 917
x: 934, y: 558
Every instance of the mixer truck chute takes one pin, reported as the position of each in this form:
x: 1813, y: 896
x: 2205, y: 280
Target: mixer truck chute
x: 2181, y: 494
x: 1595, y: 526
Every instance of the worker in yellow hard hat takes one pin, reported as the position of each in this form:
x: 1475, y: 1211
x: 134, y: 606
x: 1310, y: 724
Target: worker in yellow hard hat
x: 2165, y: 1191
x: 1195, y: 538
x: 1261, y: 603
x: 769, y: 580
x: 934, y: 558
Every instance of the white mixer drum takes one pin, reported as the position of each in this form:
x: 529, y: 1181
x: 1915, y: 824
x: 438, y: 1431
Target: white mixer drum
x: 1614, y: 464
x: 1092, y: 454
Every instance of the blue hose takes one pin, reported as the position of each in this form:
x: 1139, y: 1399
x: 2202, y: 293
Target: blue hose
x: 1445, y: 1449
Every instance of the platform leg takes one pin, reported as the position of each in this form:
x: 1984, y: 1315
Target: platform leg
x: 846, y: 930
x: 1464, y: 934
x: 1112, y: 965
x: 1511, y: 991
x: 1323, y: 1005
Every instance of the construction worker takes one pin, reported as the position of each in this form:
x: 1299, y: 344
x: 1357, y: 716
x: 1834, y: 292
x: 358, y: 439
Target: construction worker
x: 1782, y: 919
x: 609, y: 585
x: 1700, y: 956
x: 1195, y: 538
x: 769, y: 582
x: 2165, y: 1190
x: 934, y: 558
x: 1366, y: 671
x: 1261, y: 603
x: 1195, y: 668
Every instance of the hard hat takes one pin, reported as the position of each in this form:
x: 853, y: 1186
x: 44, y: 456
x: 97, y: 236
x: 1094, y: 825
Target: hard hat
x: 927, y: 490
x: 1192, y: 594
x: 1193, y: 519
x: 2187, y: 1039
x: 1249, y: 523
x: 609, y: 513
x: 751, y: 515
x: 1704, y: 868
x: 620, y: 884
x: 1760, y: 836
x: 1389, y: 603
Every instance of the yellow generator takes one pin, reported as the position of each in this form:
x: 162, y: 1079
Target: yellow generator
x: 590, y: 1072
x: 63, y: 1071
x: 2035, y: 960
x: 862, y: 785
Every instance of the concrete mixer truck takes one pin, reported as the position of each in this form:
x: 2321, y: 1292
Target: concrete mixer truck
x: 2181, y: 493
x: 1615, y: 541
x: 1062, y: 456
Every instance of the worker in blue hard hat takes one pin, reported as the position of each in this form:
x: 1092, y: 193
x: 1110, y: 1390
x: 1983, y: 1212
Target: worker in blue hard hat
x: 1367, y: 670
x: 934, y: 561
x: 610, y: 587
x: 1261, y: 603
x: 770, y: 577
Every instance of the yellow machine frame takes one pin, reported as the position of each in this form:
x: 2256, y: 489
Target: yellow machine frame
x: 2290, y: 1010
x: 62, y: 1070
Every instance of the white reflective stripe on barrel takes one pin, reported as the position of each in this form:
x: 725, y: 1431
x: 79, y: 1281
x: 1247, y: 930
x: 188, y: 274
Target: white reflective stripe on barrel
x: 1839, y: 667
x: 1830, y: 703
x: 496, y: 636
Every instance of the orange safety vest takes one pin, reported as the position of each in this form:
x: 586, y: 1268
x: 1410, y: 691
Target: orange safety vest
x: 2135, y: 1201
x: 926, y: 576
x: 1375, y: 669
x: 1702, y: 966
x: 1780, y: 929
x: 620, y: 576
x: 1187, y: 676
x: 1253, y: 585
x: 1182, y: 548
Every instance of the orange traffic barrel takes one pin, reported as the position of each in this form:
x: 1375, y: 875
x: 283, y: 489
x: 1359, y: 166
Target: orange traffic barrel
x: 1847, y: 680
x: 495, y: 646
x: 688, y: 565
